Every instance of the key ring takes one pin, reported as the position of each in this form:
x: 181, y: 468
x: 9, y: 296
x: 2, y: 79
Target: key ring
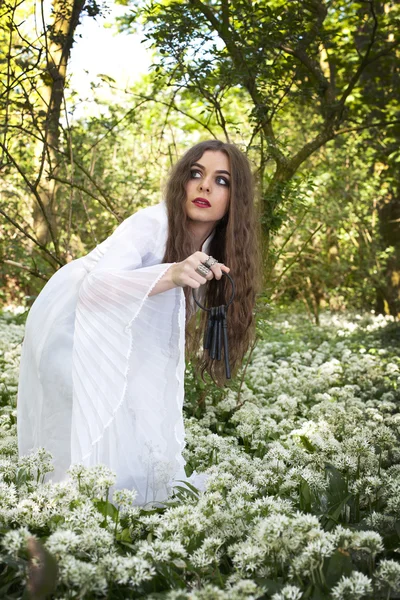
x: 216, y: 330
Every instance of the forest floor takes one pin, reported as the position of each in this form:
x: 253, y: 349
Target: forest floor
x: 302, y: 456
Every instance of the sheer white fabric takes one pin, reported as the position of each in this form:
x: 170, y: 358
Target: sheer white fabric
x: 102, y: 365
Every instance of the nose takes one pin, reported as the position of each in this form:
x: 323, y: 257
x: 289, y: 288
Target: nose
x: 204, y: 186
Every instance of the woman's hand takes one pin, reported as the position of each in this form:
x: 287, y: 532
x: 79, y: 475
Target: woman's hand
x: 184, y: 273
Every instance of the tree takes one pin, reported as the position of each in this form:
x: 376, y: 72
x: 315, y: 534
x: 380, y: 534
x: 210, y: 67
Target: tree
x: 330, y: 252
x: 33, y: 81
x: 303, y: 58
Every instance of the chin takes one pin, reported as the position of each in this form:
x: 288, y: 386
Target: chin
x: 193, y: 210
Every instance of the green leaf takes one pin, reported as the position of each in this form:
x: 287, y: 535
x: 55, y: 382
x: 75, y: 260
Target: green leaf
x: 337, y: 495
x: 22, y: 476
x: 106, y: 78
x: 124, y: 536
x: 307, y: 444
x: 271, y: 585
x: 130, y: 546
x: 183, y: 493
x: 107, y: 509
x: 397, y: 528
x: 179, y: 563
x: 337, y: 565
x: 190, y: 486
x: 337, y: 483
x: 319, y: 594
x: 305, y: 496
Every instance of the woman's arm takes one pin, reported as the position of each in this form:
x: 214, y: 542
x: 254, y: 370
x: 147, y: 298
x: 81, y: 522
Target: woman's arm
x: 184, y: 274
x: 164, y: 284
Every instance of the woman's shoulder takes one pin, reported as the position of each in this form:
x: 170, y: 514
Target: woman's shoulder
x: 155, y: 215
x: 143, y: 228
x: 145, y: 222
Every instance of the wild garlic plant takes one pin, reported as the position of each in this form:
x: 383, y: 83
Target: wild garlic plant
x: 302, y: 501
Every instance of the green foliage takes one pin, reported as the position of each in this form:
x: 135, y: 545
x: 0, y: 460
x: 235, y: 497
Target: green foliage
x: 341, y: 265
x: 308, y: 90
x: 308, y: 73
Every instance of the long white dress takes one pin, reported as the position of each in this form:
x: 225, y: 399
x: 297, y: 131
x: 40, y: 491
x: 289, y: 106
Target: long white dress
x: 102, y: 366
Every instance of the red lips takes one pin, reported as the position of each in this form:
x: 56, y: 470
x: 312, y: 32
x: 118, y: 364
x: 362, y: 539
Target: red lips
x: 202, y: 201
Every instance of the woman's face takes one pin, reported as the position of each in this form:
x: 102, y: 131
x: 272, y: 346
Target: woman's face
x: 208, y: 190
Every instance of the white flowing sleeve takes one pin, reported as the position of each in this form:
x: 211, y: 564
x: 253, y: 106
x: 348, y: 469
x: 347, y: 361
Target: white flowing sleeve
x: 128, y: 363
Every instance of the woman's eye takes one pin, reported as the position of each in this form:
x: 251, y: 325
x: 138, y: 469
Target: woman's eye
x: 194, y: 174
x: 222, y: 181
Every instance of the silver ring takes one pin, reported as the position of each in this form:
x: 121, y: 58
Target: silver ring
x: 210, y: 262
x: 202, y: 270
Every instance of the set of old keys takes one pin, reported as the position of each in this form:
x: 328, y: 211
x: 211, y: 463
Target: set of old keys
x: 216, y: 332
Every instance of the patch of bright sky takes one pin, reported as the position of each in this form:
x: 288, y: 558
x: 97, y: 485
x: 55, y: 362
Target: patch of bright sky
x: 99, y: 49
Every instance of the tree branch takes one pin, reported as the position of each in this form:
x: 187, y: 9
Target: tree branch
x: 36, y: 195
x: 370, y: 125
x: 8, y: 86
x: 300, y: 51
x: 33, y: 272
x: 363, y: 63
x: 108, y: 202
x: 276, y: 283
x: 30, y: 237
x: 249, y: 79
x: 311, y: 65
x: 86, y: 191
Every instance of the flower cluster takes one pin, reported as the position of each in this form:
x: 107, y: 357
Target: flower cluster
x: 302, y: 494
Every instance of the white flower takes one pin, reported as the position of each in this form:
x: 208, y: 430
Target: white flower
x: 369, y: 541
x: 208, y: 553
x: 15, y: 540
x: 306, y: 405
x: 247, y: 556
x: 127, y: 570
x: 62, y: 542
x: 8, y: 494
x: 392, y: 369
x: 124, y: 499
x: 352, y: 588
x: 313, y: 554
x: 161, y: 550
x: 388, y: 575
x: 243, y: 589
x: 85, y: 515
x: 289, y: 592
x: 82, y: 575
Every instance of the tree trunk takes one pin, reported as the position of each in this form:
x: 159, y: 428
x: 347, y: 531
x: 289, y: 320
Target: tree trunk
x: 388, y: 297
x: 60, y: 38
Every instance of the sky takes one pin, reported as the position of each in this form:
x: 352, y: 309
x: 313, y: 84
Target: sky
x: 100, y: 49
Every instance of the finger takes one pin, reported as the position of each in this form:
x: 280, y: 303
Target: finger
x: 195, y: 261
x: 217, y: 270
x: 199, y: 278
x: 191, y: 264
x: 202, y: 256
x: 195, y: 283
x: 210, y: 275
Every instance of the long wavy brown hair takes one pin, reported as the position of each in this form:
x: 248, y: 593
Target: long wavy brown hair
x: 236, y: 243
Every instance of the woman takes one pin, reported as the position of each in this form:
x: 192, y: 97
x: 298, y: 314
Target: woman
x: 103, y: 359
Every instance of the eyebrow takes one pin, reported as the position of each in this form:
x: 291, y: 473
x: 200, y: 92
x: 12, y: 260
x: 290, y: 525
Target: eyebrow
x: 201, y: 167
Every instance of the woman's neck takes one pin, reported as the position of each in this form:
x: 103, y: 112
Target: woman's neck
x: 201, y: 234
